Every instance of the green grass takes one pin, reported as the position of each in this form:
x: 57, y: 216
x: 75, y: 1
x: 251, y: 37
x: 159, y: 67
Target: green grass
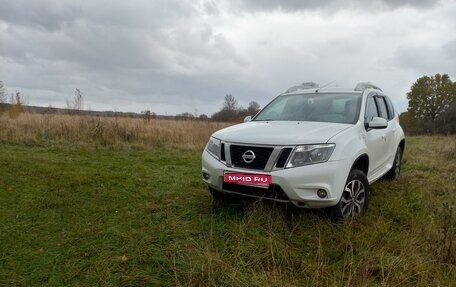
x: 108, y: 216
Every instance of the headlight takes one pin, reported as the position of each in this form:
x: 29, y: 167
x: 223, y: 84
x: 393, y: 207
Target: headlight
x: 213, y: 147
x: 310, y: 154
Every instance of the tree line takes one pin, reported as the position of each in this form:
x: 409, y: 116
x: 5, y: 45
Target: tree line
x: 16, y: 102
x: 431, y: 106
x: 231, y: 111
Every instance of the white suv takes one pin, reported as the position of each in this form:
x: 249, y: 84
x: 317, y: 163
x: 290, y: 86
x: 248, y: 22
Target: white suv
x: 311, y: 146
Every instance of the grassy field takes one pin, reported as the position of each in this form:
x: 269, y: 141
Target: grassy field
x: 36, y: 129
x: 89, y: 213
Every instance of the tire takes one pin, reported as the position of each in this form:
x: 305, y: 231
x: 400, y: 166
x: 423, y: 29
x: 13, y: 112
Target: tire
x: 395, y: 170
x: 355, y: 197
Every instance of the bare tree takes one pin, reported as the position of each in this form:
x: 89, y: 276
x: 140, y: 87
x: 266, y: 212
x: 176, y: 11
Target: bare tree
x: 146, y: 116
x: 3, y: 93
x: 78, y: 102
x: 253, y: 108
x: 230, y: 110
x: 17, y: 106
x: 230, y: 103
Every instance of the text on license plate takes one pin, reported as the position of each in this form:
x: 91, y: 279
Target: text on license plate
x: 247, y: 178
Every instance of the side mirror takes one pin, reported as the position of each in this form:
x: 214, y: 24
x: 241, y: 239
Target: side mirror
x: 247, y: 119
x: 378, y: 123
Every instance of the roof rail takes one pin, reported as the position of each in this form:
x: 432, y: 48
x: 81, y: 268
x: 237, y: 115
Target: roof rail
x: 366, y: 85
x: 303, y: 86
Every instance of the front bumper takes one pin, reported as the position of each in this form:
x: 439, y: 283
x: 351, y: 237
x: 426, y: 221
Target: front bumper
x: 300, y: 184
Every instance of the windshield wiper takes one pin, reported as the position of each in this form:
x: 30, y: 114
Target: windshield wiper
x: 266, y: 120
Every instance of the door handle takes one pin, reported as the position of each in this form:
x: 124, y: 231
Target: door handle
x: 384, y: 137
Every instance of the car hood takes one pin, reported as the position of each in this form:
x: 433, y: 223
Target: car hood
x: 280, y: 132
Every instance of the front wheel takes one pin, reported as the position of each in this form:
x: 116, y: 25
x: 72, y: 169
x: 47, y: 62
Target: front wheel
x: 355, y: 197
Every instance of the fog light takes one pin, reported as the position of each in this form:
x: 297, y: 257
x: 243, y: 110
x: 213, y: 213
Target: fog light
x: 322, y: 193
x: 206, y: 176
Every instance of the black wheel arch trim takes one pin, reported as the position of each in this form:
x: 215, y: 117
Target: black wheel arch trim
x: 361, y: 163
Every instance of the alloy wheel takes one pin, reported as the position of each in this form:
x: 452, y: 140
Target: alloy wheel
x: 353, y: 198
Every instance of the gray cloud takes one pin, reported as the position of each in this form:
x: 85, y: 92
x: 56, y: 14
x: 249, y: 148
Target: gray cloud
x: 420, y: 60
x: 295, y: 5
x: 179, y: 55
x: 450, y: 50
x: 49, y: 15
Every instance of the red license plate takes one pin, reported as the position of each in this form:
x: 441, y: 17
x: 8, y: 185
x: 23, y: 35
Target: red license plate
x: 247, y: 178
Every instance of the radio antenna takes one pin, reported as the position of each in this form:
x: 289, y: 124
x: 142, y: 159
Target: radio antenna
x: 324, y: 86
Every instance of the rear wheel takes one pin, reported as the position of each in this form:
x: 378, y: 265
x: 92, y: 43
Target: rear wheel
x: 355, y: 197
x: 395, y: 170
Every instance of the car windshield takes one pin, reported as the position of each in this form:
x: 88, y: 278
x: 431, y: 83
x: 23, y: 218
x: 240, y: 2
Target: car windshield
x: 315, y: 107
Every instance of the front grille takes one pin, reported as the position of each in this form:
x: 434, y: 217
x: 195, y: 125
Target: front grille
x: 274, y: 191
x: 283, y: 157
x: 222, y: 152
x: 262, y: 155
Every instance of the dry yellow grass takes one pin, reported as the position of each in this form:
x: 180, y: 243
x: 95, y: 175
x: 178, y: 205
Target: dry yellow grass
x: 89, y: 130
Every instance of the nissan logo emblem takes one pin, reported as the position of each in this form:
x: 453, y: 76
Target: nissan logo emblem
x: 248, y: 156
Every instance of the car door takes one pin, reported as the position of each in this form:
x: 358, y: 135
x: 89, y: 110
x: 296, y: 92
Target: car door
x: 375, y: 138
x: 388, y: 134
x: 394, y: 129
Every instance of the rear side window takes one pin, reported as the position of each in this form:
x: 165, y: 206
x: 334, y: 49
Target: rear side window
x: 390, y: 107
x: 382, y: 107
x: 371, y: 110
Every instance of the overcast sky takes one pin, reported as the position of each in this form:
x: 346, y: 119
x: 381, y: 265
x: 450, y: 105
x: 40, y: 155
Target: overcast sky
x: 174, y: 56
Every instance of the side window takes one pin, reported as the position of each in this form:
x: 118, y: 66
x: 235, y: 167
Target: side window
x: 371, y: 110
x: 390, y: 108
x: 382, y: 107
